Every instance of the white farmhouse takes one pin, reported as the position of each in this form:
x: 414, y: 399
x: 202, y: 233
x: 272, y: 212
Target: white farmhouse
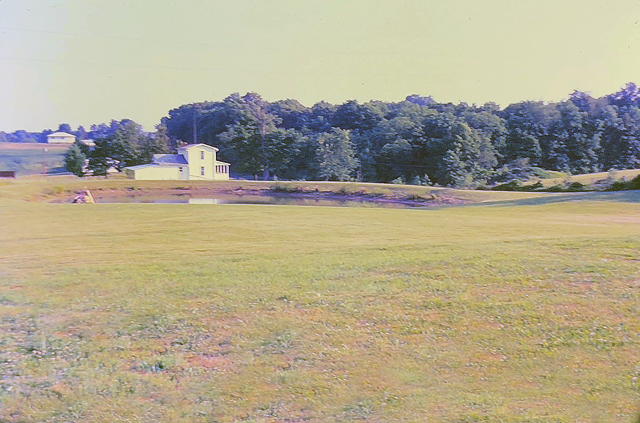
x: 61, y: 138
x: 193, y: 162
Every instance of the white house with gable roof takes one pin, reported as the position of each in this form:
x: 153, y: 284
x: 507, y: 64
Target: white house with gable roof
x: 193, y: 162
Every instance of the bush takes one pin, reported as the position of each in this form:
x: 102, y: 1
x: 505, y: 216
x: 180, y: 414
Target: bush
x: 617, y: 186
x: 556, y: 188
x: 535, y: 187
x: 284, y: 189
x: 398, y: 181
x: 634, y: 183
x: 514, y: 185
x: 343, y: 191
x: 416, y: 197
x: 576, y: 187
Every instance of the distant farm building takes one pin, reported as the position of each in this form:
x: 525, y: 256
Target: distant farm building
x: 61, y: 138
x: 193, y: 162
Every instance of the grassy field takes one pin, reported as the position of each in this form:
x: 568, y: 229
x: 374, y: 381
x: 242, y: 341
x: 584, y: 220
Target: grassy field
x: 588, y: 178
x: 31, y: 159
x: 518, y: 311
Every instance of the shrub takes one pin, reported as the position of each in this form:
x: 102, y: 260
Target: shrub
x: 534, y: 187
x: 514, y: 185
x: 634, y: 183
x: 576, y: 187
x: 285, y: 189
x: 617, y: 186
x: 556, y: 188
x: 398, y: 181
x: 415, y: 197
x: 343, y: 191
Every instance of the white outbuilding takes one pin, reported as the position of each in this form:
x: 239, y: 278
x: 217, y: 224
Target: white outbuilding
x: 61, y: 138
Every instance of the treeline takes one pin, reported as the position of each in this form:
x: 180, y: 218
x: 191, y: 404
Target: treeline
x: 418, y: 140
x: 101, y: 130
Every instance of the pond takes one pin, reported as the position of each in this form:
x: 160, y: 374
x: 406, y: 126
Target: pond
x: 255, y: 199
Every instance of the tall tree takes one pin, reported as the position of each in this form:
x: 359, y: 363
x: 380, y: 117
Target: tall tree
x: 64, y: 127
x: 336, y: 156
x: 74, y: 160
x: 258, y: 109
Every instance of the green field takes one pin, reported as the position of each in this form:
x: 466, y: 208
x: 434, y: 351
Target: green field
x: 32, y: 159
x: 587, y: 179
x: 510, y: 311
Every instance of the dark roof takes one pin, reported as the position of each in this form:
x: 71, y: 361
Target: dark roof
x: 169, y: 159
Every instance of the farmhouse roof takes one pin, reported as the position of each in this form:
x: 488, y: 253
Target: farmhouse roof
x: 169, y: 159
x: 188, y: 146
x: 60, y: 134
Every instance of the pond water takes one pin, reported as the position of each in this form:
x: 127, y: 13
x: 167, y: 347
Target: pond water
x: 252, y: 199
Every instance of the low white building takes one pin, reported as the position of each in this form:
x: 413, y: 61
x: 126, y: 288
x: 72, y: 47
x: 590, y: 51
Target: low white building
x: 61, y: 138
x: 193, y: 162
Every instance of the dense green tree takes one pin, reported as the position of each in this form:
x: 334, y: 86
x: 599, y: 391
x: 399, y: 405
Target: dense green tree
x: 149, y: 144
x: 469, y: 159
x: 291, y: 113
x: 256, y: 110
x: 64, y: 127
x: 336, y: 156
x: 100, y: 158
x: 243, y: 139
x: 74, y: 160
x: 354, y: 116
x: 282, y: 146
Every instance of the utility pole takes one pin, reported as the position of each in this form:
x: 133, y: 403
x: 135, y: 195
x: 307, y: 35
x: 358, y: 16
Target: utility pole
x: 44, y: 160
x: 195, y: 128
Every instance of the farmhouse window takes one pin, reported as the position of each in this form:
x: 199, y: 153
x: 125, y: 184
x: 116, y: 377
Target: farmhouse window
x: 202, y: 155
x: 202, y: 170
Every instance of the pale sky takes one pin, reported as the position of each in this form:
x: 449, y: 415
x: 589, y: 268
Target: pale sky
x: 90, y: 61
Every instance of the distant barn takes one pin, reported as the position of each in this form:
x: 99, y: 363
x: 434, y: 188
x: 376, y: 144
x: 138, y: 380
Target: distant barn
x: 61, y: 138
x: 7, y: 173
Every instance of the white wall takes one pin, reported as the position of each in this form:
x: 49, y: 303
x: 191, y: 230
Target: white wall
x: 157, y: 173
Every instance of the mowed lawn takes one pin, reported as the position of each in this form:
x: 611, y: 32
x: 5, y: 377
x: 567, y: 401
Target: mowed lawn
x: 203, y: 313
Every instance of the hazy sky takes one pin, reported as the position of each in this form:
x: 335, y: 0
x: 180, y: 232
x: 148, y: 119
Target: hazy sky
x: 90, y: 61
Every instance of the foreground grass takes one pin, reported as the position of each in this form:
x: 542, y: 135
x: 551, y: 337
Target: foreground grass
x: 271, y: 314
